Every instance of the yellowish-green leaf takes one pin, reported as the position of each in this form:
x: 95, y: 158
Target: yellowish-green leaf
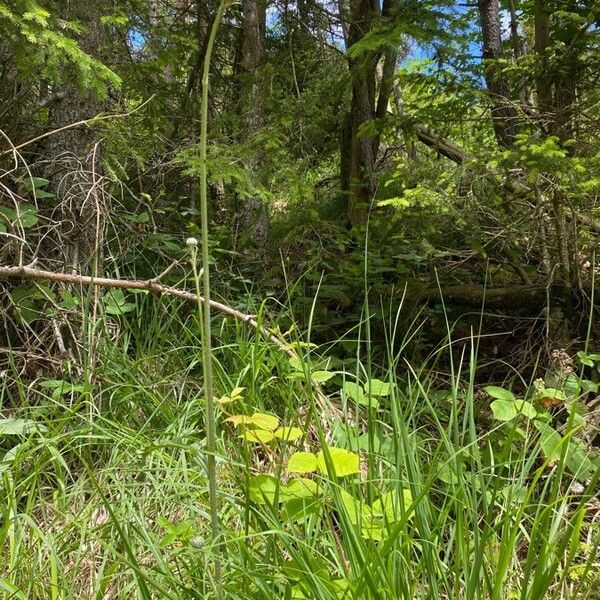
x: 302, y: 462
x: 236, y: 420
x: 261, y: 420
x: 289, y: 434
x: 262, y: 489
x: 343, y: 461
x: 389, y: 505
x: 260, y: 436
x: 265, y: 421
x: 301, y: 487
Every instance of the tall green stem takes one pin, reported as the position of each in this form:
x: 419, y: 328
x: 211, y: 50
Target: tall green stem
x: 211, y: 433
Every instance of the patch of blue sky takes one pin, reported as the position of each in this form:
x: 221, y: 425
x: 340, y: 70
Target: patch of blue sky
x: 136, y: 39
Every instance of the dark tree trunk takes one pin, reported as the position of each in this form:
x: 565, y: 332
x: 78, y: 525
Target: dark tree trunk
x: 504, y: 115
x: 358, y: 151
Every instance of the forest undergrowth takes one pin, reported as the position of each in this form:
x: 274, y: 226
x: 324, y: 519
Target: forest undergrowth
x: 337, y: 478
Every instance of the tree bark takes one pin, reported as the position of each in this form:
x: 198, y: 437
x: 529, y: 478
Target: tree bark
x: 252, y: 216
x: 504, y: 115
x: 75, y: 165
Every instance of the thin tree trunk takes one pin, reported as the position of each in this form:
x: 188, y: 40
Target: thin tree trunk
x: 358, y: 162
x: 543, y: 79
x: 252, y: 216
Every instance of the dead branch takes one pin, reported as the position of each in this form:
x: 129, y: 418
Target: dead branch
x: 150, y: 285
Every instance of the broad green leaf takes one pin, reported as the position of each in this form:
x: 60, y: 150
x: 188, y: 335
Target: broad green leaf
x: 258, y: 435
x: 377, y: 387
x: 289, y: 434
x: 297, y: 593
x: 579, y: 460
x: 265, y: 421
x: 447, y: 474
x: 296, y: 364
x: 302, y: 462
x: 19, y: 427
x: 504, y: 410
x: 388, y: 505
x: 236, y: 394
x: 25, y: 215
x: 550, y: 394
x: 514, y: 492
x: 301, y: 487
x: 499, y: 393
x: 526, y: 409
x: 353, y: 506
x: 373, y: 531
x: 262, y: 489
x: 550, y: 440
x: 9, y: 458
x: 261, y: 420
x: 353, y: 390
x: 41, y: 194
x: 321, y: 376
x: 236, y: 420
x: 298, y: 509
x: 115, y: 303
x: 343, y: 461
x: 35, y: 183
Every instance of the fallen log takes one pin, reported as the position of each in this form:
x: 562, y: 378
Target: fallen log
x: 477, y: 296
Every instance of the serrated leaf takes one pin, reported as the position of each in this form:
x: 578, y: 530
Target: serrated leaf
x: 343, y: 461
x: 302, y: 462
x: 289, y: 434
x: 500, y: 393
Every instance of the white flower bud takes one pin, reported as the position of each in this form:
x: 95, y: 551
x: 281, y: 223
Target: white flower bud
x: 192, y: 242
